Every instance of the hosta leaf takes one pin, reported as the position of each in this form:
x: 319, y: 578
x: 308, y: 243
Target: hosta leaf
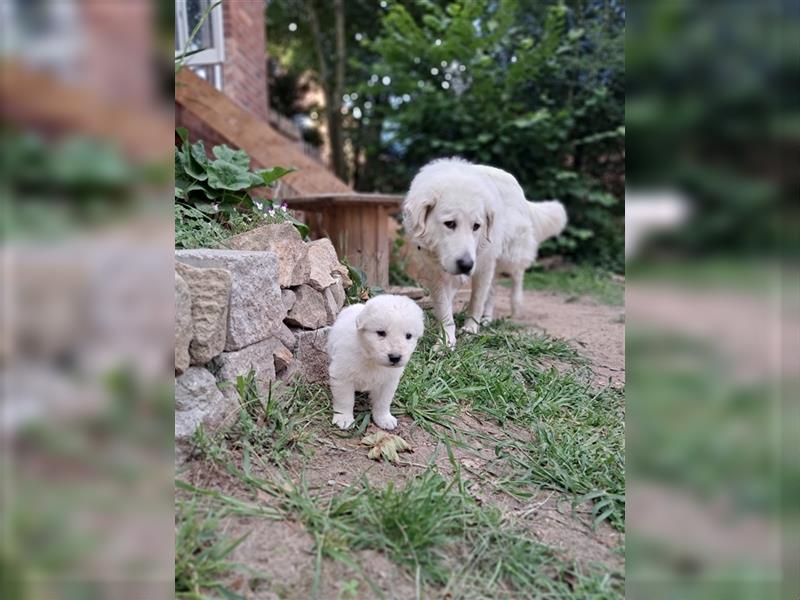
x: 269, y: 176
x: 198, y: 151
x: 237, y: 157
x: 226, y: 175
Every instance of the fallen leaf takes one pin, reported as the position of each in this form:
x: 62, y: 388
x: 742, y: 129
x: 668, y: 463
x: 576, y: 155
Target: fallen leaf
x: 385, y: 445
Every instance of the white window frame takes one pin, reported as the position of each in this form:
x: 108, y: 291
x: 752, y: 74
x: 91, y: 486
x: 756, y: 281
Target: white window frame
x: 210, y: 59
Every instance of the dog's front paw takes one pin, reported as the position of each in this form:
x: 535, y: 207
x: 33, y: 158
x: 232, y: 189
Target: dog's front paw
x: 342, y: 420
x: 470, y: 326
x: 386, y: 421
x: 441, y: 347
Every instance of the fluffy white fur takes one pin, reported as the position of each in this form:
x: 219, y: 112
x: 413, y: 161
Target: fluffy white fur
x: 473, y: 220
x: 369, y: 346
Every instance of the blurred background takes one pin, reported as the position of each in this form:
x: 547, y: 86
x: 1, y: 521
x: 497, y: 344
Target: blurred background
x: 86, y: 135
x: 712, y: 299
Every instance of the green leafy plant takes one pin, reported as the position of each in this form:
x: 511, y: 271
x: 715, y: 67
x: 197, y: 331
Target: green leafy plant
x: 359, y: 291
x: 215, y: 199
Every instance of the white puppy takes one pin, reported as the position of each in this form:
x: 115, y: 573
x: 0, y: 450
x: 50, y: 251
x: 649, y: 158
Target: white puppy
x: 369, y: 346
x: 473, y: 220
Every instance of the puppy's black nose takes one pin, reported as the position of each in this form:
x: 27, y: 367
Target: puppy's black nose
x: 465, y: 265
x: 394, y: 358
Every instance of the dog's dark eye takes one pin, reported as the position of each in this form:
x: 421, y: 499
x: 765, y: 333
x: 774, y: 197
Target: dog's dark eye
x: 381, y: 333
x: 450, y: 224
x: 476, y: 226
x: 408, y: 336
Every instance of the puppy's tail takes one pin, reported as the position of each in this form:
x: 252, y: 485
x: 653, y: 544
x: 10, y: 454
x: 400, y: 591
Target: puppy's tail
x: 549, y: 218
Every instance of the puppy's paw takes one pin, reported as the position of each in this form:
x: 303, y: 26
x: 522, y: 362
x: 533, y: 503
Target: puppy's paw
x: 471, y: 326
x: 342, y: 420
x: 386, y: 421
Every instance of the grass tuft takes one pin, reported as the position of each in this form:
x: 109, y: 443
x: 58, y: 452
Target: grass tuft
x: 201, y: 553
x: 509, y: 375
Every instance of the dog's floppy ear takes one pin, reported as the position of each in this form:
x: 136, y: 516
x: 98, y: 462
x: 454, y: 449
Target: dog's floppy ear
x: 489, y: 229
x: 416, y: 209
x: 360, y: 321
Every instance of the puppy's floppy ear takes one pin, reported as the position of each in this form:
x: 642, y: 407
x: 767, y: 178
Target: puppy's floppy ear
x: 360, y: 321
x: 417, y: 208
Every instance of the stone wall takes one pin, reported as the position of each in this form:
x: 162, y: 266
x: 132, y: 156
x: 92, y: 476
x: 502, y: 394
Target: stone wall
x: 265, y: 304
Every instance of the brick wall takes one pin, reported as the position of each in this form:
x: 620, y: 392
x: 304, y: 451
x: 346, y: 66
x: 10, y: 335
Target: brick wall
x: 245, y: 67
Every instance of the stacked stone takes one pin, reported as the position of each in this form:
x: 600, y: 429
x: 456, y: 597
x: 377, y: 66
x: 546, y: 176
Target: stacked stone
x: 265, y: 304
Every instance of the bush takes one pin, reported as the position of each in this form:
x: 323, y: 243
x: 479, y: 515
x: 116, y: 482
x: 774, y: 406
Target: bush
x: 213, y: 199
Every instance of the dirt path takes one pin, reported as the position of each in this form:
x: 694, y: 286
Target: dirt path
x: 597, y: 330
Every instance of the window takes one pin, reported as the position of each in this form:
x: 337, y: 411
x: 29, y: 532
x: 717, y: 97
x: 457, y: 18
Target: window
x: 43, y: 34
x: 205, y: 52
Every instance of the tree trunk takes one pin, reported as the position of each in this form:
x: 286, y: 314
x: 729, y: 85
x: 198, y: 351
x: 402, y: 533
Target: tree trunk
x: 337, y: 135
x: 332, y: 88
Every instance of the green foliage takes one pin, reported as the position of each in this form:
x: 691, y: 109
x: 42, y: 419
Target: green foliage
x: 715, y: 131
x: 54, y: 185
x: 359, y: 291
x: 213, y: 199
x: 578, y: 280
x: 536, y: 92
x: 268, y: 425
x: 535, y: 89
x: 508, y: 375
x: 201, y: 553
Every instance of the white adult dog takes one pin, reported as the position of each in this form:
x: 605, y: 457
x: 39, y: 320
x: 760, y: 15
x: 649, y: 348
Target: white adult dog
x: 474, y: 220
x: 369, y: 346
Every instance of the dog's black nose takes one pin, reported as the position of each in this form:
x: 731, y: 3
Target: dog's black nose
x: 394, y: 358
x: 465, y: 265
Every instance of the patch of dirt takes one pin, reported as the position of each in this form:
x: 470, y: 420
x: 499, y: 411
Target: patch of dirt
x: 282, y: 553
x: 596, y: 329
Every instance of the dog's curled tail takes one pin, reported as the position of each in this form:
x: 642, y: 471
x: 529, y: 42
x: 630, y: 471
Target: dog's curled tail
x: 549, y: 218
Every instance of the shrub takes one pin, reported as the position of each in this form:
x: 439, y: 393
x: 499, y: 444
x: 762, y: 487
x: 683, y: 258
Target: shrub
x: 214, y: 199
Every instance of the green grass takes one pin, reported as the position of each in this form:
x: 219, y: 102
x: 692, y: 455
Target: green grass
x: 269, y: 426
x: 436, y: 531
x: 201, y: 553
x: 577, y: 280
x: 508, y: 375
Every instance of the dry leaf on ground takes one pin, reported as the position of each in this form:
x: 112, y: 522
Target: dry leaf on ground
x: 386, y: 445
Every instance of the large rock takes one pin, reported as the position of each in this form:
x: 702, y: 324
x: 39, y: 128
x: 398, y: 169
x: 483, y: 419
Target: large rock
x: 199, y: 401
x: 310, y: 309
x: 284, y: 241
x: 286, y: 337
x: 288, y: 297
x: 343, y: 275
x: 256, y: 308
x: 337, y: 289
x: 310, y: 356
x: 259, y: 357
x: 331, y: 309
x: 211, y: 290
x: 283, y: 360
x: 183, y: 324
x: 323, y: 263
